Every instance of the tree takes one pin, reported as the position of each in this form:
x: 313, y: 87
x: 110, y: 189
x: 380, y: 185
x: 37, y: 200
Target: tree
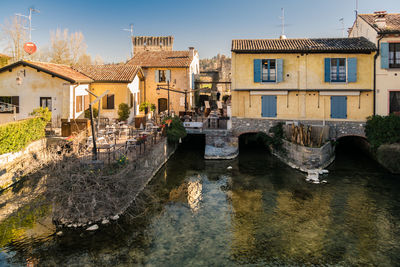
x: 68, y: 48
x: 15, y: 36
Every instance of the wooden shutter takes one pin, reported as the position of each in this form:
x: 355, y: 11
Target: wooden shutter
x: 157, y: 76
x: 279, y: 70
x: 15, y: 101
x: 257, y: 70
x: 352, y: 70
x: 86, y: 102
x: 168, y: 74
x: 327, y: 70
x: 110, y: 100
x: 268, y: 106
x: 193, y: 81
x: 384, y: 55
x: 339, y: 107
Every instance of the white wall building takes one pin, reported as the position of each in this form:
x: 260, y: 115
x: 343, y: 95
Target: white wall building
x: 383, y: 29
x: 28, y: 85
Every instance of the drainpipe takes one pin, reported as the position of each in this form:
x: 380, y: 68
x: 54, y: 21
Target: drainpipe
x: 73, y: 100
x: 375, y: 58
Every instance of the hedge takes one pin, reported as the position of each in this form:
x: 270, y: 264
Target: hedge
x: 382, y: 130
x: 15, y: 136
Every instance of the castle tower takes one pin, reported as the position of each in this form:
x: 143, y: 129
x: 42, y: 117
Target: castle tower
x: 151, y: 43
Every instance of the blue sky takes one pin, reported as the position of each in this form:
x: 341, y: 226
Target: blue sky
x: 208, y: 25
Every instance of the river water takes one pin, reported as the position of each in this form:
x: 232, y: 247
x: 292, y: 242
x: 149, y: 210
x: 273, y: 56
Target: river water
x: 259, y: 212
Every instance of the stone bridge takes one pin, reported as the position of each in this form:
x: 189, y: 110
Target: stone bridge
x: 337, y: 129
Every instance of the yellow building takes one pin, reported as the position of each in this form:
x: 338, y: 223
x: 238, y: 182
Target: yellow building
x: 4, y: 59
x: 383, y: 29
x: 124, y: 83
x: 303, y: 79
x: 162, y: 65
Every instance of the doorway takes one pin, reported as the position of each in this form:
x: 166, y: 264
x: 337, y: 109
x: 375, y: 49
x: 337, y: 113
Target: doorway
x: 162, y: 105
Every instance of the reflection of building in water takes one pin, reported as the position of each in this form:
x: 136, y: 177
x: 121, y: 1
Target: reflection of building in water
x: 194, y: 194
x: 189, y: 192
x: 248, y: 213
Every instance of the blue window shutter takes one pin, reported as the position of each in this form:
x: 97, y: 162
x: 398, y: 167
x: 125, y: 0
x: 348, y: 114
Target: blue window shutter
x: 352, y: 70
x: 339, y: 107
x: 268, y: 106
x: 157, y: 78
x: 257, y: 70
x: 327, y: 70
x: 384, y: 55
x: 279, y: 70
x: 192, y: 81
x: 168, y: 75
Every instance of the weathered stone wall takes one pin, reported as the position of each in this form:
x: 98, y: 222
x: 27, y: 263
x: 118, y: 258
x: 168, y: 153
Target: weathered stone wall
x: 337, y: 129
x: 389, y: 157
x: 15, y: 165
x: 221, y: 144
x: 306, y: 158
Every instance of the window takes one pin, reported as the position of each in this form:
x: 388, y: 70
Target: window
x: 6, y: 100
x: 338, y: 70
x: 78, y: 103
x: 394, y: 55
x: 268, y: 70
x: 162, y: 76
x: 45, y: 102
x: 108, y: 102
x: 394, y: 106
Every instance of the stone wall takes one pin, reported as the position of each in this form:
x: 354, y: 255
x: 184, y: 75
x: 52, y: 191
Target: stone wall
x: 306, y: 158
x: 15, y: 165
x: 337, y: 129
x: 221, y: 144
x: 389, y: 157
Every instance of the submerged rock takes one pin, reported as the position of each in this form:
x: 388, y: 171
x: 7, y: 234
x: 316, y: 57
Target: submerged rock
x: 105, y: 221
x: 114, y: 218
x: 94, y: 227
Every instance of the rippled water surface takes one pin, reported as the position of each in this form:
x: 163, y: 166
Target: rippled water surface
x: 260, y: 212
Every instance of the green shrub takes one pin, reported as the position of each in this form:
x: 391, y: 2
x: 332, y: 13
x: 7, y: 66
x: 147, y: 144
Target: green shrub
x: 147, y: 105
x: 95, y: 113
x: 15, y: 136
x: 382, y: 130
x: 275, y: 140
x: 123, y: 112
x: 225, y: 98
x: 175, y: 129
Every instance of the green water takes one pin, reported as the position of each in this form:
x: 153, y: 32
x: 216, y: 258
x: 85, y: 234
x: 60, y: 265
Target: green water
x: 259, y: 213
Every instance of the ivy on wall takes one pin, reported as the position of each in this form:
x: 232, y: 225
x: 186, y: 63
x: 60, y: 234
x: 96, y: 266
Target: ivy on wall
x: 15, y: 136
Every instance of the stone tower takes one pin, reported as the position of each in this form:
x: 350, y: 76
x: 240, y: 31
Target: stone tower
x: 151, y: 43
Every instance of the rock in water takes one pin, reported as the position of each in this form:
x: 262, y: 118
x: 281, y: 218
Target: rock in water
x: 105, y: 221
x: 94, y: 227
x: 229, y: 168
x: 313, y: 176
x: 114, y: 218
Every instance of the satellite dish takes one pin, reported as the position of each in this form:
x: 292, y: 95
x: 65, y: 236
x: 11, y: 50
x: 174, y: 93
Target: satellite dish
x: 30, y: 48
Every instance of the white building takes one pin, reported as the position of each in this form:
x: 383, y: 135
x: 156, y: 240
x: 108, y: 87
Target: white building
x: 383, y: 29
x: 28, y: 85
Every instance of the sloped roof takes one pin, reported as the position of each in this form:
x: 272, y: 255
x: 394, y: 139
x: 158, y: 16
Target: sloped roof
x: 162, y: 59
x: 328, y: 45
x: 61, y: 71
x: 110, y: 73
x: 392, y: 22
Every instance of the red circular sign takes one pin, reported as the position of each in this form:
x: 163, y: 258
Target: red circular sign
x: 30, y: 48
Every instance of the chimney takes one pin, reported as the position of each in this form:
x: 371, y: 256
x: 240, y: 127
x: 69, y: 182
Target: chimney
x: 191, y: 50
x: 380, y: 19
x: 282, y: 37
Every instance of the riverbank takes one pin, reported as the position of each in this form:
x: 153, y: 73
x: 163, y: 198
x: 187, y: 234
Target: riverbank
x: 92, y: 197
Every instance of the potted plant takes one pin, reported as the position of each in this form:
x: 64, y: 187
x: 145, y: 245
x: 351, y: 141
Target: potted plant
x: 144, y: 107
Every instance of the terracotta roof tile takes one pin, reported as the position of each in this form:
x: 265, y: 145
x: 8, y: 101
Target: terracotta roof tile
x: 109, y: 73
x: 62, y: 70
x: 162, y: 59
x: 359, y: 44
x: 392, y: 22
x: 3, y: 55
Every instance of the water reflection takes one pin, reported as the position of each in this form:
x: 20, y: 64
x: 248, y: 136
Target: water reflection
x: 259, y: 212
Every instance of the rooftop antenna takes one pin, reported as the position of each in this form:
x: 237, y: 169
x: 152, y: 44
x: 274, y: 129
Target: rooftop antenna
x: 29, y: 17
x: 283, y: 36
x: 356, y: 11
x: 343, y: 32
x: 131, y: 31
